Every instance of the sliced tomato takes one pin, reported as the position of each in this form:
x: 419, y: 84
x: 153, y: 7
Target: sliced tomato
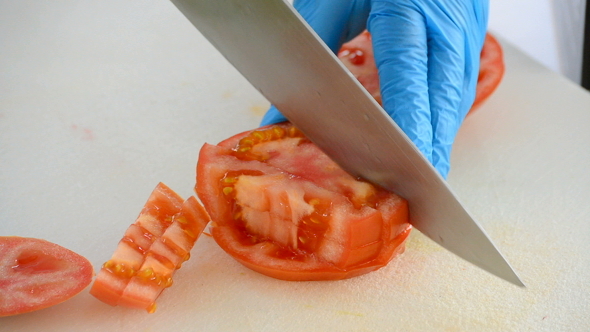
x: 281, y: 207
x: 151, y: 250
x: 36, y: 274
x: 491, y: 71
x: 357, y: 56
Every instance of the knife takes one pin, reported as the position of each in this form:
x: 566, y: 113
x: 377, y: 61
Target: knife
x: 271, y: 45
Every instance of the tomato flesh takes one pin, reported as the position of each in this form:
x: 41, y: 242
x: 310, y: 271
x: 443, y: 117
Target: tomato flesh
x: 151, y: 251
x: 281, y: 207
x: 36, y: 274
x: 357, y: 55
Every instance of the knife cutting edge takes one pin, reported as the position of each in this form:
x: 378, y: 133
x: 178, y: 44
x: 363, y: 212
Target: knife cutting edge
x: 278, y: 53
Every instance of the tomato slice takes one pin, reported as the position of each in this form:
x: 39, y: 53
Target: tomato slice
x: 281, y: 207
x: 151, y: 250
x: 36, y: 274
x: 357, y: 56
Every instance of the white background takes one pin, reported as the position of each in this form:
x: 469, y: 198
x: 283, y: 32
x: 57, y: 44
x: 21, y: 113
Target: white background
x: 551, y: 31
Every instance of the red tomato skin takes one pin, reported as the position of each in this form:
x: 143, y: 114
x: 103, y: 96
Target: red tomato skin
x: 491, y: 71
x: 227, y: 239
x: 364, y: 259
x: 36, y: 274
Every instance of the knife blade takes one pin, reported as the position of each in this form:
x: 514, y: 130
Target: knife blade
x: 271, y: 45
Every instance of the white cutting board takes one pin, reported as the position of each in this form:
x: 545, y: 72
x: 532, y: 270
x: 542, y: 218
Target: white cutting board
x: 101, y: 100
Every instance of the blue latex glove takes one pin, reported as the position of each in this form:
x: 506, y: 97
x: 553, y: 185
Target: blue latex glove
x: 427, y: 53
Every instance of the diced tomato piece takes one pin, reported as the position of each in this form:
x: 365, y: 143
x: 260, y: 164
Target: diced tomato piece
x: 151, y: 250
x: 281, y: 207
x: 357, y: 55
x: 36, y: 274
x: 151, y: 223
x: 165, y: 256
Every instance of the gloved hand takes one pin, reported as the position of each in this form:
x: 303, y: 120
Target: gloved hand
x: 427, y: 53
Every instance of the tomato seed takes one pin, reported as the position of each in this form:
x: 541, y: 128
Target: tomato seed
x: 230, y: 180
x: 152, y: 308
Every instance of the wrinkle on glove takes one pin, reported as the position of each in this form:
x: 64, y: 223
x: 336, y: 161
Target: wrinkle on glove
x: 427, y: 53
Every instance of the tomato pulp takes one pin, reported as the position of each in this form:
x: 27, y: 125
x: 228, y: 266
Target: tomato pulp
x: 357, y: 56
x: 36, y: 274
x: 281, y: 207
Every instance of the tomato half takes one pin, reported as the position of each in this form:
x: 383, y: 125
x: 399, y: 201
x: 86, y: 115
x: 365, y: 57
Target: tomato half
x: 36, y: 274
x: 151, y: 251
x: 357, y: 56
x: 281, y: 207
x: 491, y: 70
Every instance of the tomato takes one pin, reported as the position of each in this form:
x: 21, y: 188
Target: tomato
x: 491, y: 70
x: 357, y: 56
x: 36, y: 274
x: 151, y: 251
x: 281, y: 207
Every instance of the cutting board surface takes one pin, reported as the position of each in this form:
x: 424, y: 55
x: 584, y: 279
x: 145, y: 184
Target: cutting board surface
x: 100, y: 101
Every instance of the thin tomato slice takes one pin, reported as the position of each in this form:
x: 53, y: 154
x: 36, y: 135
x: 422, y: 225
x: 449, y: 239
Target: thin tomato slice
x: 357, y: 56
x: 36, y: 274
x: 281, y: 207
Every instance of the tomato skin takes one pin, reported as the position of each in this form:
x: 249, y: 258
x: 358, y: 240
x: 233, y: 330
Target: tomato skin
x: 228, y: 239
x: 491, y: 69
x: 36, y: 274
x: 358, y: 239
